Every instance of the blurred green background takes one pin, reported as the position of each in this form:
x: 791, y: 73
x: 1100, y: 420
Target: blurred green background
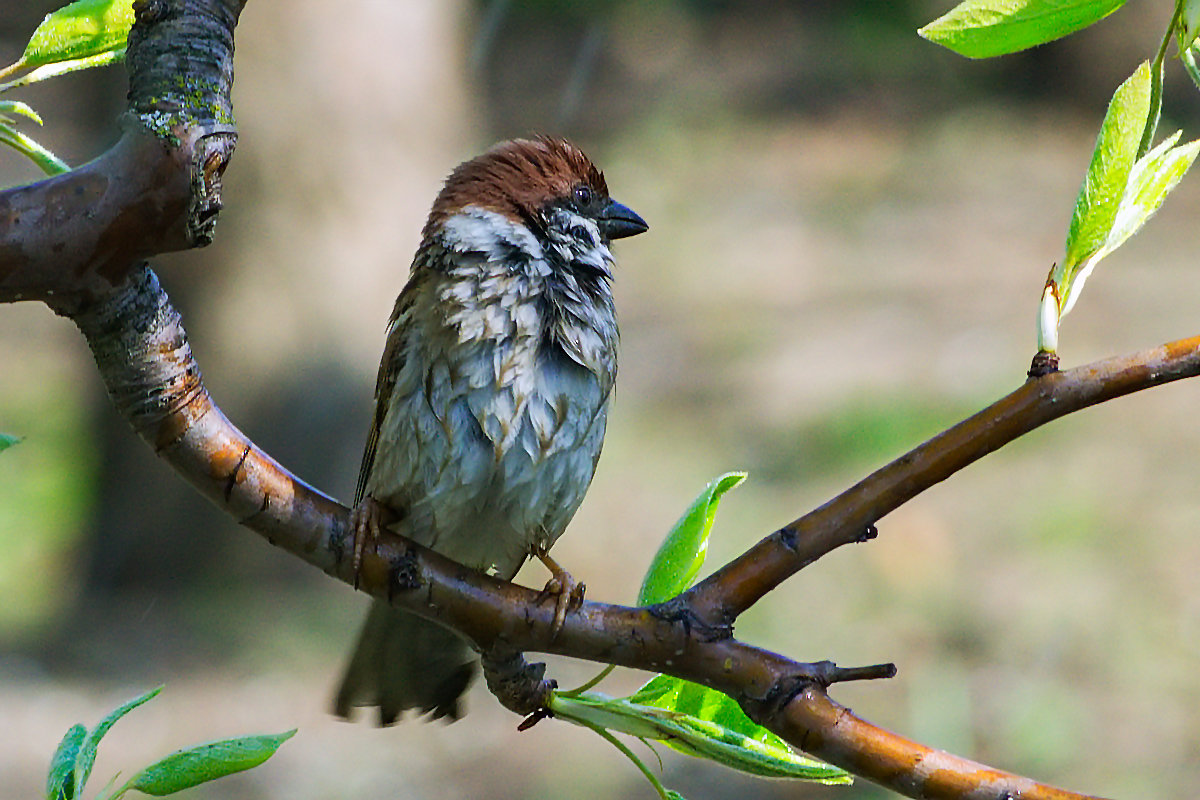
x: 849, y: 233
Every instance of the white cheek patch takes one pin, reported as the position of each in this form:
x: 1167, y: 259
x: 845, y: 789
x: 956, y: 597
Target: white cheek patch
x: 495, y: 291
x: 479, y: 230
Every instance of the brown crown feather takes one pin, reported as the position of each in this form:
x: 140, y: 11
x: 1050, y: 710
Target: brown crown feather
x: 516, y: 178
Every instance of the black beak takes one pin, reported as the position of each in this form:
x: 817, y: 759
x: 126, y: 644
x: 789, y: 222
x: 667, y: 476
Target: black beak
x: 617, y: 221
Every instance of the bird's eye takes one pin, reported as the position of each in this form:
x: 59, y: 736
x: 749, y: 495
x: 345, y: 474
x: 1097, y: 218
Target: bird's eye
x: 583, y: 195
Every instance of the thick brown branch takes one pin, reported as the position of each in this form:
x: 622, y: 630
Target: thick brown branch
x: 144, y: 357
x: 850, y: 517
x: 70, y: 239
x: 817, y: 724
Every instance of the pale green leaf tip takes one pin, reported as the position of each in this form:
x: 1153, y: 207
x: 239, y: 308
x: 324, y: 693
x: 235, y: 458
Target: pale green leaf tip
x: 718, y: 487
x: 146, y: 697
x: 40, y: 156
x: 935, y: 33
x: 17, y: 107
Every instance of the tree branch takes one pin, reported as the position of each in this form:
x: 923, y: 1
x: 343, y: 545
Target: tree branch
x: 71, y: 239
x: 851, y: 516
x: 143, y: 356
x: 815, y: 723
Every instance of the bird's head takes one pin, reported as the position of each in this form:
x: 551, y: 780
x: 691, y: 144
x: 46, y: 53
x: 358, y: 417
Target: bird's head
x: 518, y: 239
x: 545, y: 185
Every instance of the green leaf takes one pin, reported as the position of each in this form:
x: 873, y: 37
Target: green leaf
x: 695, y: 736
x: 10, y: 109
x: 681, y: 554
x: 60, y: 782
x: 1101, y: 223
x: 45, y: 160
x: 986, y: 28
x: 688, y: 717
x: 83, y: 28
x: 206, y: 762
x: 87, y: 751
x: 7, y: 441
x: 63, y: 67
x: 675, y: 694
x: 1151, y: 179
x: 1099, y: 200
x: 653, y: 690
x: 1108, y: 174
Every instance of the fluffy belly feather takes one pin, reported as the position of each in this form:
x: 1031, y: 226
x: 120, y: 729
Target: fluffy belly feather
x: 484, y: 468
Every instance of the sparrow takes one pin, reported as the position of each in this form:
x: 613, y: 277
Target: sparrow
x: 491, y: 400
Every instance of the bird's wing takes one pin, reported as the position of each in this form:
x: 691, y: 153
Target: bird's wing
x: 389, y: 367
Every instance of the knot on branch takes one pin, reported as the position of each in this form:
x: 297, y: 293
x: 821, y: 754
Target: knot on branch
x: 209, y: 159
x: 678, y: 610
x: 763, y: 709
x: 1043, y: 364
x: 148, y: 12
x: 404, y: 574
x: 518, y: 685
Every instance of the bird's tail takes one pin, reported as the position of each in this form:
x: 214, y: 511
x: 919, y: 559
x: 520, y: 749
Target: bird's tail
x: 405, y: 662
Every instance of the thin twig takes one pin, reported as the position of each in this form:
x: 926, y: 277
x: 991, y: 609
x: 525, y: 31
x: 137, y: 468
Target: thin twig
x: 850, y: 517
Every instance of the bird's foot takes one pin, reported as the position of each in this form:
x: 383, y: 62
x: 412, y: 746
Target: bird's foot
x: 566, y: 591
x: 366, y: 521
